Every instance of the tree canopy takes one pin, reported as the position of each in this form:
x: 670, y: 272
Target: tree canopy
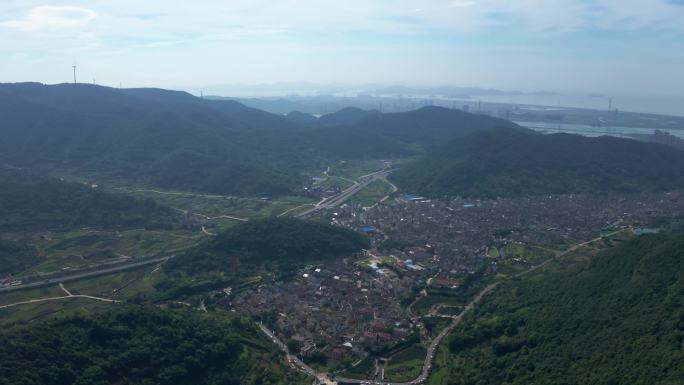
x: 175, y: 140
x: 516, y: 162
x: 16, y: 256
x: 135, y: 345
x: 273, y: 245
x: 33, y: 202
x: 616, y: 319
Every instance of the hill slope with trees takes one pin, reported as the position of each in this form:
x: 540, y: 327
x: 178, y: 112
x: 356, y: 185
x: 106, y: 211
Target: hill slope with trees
x: 508, y: 162
x: 30, y: 202
x: 164, y: 138
x: 140, y: 346
x: 615, y: 319
x: 15, y: 257
x: 175, y: 140
x: 274, y: 245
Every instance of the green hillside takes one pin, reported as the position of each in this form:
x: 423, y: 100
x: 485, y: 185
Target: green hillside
x: 617, y: 318
x: 175, y: 140
x: 30, y: 202
x: 148, y: 136
x: 506, y: 162
x: 274, y: 245
x: 15, y: 257
x: 374, y: 135
x: 140, y: 346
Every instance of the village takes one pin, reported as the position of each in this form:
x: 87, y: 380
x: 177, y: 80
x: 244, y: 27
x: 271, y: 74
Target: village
x: 340, y: 312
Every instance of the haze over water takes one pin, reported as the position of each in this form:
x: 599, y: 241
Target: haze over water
x: 629, y: 49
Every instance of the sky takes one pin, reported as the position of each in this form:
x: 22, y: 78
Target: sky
x: 622, y: 47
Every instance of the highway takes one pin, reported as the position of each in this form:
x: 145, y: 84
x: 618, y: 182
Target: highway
x: 336, y: 200
x: 85, y: 274
x: 327, y: 203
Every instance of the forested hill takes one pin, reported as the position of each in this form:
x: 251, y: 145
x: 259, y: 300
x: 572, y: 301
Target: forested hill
x: 271, y: 241
x: 175, y: 140
x: 507, y: 162
x: 140, y: 346
x: 159, y: 137
x: 33, y: 202
x: 15, y: 257
x: 617, y: 319
x: 355, y: 133
x: 256, y: 248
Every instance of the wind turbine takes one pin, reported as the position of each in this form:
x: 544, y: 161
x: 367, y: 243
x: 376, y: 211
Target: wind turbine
x: 74, y: 67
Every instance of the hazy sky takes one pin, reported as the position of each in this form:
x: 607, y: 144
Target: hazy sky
x: 628, y: 46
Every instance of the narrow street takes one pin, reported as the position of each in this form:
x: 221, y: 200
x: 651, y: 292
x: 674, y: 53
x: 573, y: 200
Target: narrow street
x: 434, y: 345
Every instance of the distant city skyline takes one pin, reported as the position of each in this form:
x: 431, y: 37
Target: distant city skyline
x: 633, y: 49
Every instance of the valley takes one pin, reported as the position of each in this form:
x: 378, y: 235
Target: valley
x: 361, y: 244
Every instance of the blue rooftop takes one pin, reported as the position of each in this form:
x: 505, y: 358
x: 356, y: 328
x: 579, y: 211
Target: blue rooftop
x: 411, y: 197
x: 368, y: 229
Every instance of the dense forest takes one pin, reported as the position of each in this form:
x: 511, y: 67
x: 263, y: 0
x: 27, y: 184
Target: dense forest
x: 267, y: 245
x: 516, y: 162
x: 15, y: 257
x: 33, y: 202
x: 140, y: 346
x: 354, y: 133
x: 175, y: 140
x: 617, y: 318
x: 284, y: 239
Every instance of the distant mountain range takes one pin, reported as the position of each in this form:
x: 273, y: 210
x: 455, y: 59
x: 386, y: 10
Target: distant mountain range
x: 452, y: 92
x: 516, y: 162
x: 392, y: 98
x: 163, y: 138
x: 295, y: 88
x: 175, y: 140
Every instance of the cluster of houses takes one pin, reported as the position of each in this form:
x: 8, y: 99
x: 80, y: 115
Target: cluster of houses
x: 340, y: 309
x: 345, y: 309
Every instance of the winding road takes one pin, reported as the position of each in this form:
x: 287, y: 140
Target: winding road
x: 434, y: 345
x: 68, y: 295
x: 293, y: 360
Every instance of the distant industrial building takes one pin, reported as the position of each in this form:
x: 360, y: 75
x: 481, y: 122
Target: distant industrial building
x: 664, y: 137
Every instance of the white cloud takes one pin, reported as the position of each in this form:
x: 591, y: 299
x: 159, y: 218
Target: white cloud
x: 461, y: 3
x: 155, y: 41
x: 45, y: 18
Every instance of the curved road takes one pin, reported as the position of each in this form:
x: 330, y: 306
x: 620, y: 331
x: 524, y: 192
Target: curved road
x: 294, y: 361
x: 69, y: 295
x: 427, y: 365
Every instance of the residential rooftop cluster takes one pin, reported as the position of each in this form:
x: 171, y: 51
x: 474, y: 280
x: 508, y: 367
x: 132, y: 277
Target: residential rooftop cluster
x: 348, y: 308
x: 342, y: 309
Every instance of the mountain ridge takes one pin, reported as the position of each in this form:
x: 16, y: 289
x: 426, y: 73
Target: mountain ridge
x: 172, y: 139
x: 505, y: 162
